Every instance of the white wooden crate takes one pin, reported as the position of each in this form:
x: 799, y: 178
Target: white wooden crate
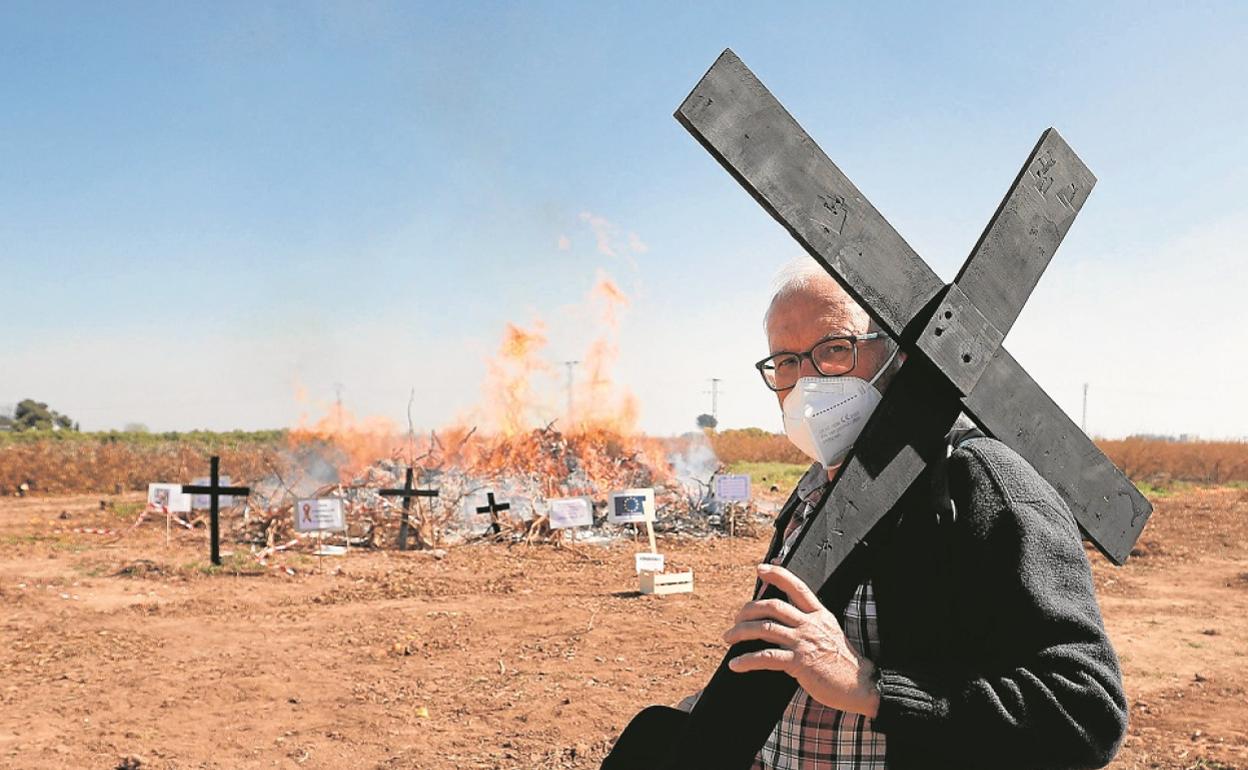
x: 666, y: 583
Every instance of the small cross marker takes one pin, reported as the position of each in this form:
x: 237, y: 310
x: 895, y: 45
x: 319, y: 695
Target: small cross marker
x: 493, y: 508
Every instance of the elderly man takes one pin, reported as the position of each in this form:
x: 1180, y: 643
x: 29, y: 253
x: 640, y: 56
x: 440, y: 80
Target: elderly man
x: 973, y: 640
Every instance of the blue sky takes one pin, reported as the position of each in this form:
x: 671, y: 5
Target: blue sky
x: 204, y: 207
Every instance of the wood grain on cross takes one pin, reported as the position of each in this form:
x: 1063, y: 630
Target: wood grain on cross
x: 955, y: 363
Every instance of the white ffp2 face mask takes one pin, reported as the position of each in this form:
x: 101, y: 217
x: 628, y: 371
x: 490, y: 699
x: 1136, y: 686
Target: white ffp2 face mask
x: 824, y: 415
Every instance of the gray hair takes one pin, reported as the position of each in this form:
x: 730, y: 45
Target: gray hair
x: 798, y: 275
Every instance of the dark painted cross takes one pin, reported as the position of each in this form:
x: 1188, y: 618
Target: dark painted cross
x: 493, y: 508
x: 214, y: 490
x: 952, y: 335
x: 407, y: 493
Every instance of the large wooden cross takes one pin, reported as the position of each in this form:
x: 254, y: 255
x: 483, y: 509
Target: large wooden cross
x: 215, y: 491
x: 408, y: 492
x: 955, y: 363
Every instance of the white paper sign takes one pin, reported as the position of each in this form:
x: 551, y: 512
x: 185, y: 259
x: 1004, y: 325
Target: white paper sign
x: 566, y: 512
x: 648, y: 562
x: 319, y: 514
x: 168, y: 497
x: 732, y: 488
x: 204, y: 502
x: 631, y: 506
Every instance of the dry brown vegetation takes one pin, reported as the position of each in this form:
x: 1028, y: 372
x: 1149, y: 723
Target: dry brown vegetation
x: 110, y: 463
x: 755, y: 445
x: 1149, y: 460
x: 104, y: 466
x: 1157, y: 461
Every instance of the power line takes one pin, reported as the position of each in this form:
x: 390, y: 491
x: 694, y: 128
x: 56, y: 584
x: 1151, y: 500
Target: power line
x: 338, y: 406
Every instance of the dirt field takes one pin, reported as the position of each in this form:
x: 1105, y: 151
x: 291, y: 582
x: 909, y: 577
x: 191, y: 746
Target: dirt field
x: 118, y: 652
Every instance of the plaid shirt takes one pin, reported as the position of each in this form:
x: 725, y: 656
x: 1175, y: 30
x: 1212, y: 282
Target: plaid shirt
x: 810, y: 735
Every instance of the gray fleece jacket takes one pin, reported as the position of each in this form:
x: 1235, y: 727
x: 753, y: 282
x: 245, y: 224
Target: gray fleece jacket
x: 994, y: 653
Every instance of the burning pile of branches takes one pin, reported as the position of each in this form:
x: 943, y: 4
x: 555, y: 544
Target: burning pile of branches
x: 525, y: 471
x: 550, y: 463
x: 520, y: 465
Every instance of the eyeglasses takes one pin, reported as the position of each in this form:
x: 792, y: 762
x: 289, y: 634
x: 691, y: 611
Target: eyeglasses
x: 832, y: 356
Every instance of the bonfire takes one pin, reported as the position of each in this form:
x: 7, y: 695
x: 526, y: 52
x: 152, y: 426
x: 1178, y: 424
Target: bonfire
x: 526, y: 470
x: 515, y: 445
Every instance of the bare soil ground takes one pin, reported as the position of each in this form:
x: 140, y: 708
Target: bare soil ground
x: 120, y: 652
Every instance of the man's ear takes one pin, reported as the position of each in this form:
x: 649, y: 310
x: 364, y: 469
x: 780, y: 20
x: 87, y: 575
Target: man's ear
x: 891, y: 370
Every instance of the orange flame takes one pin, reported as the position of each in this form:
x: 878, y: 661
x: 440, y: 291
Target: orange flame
x: 361, y: 442
x: 511, y: 400
x: 601, y: 431
x: 612, y: 298
x: 599, y: 402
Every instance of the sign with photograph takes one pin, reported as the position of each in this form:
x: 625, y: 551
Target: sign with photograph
x: 319, y: 514
x: 730, y: 488
x: 567, y: 512
x: 168, y: 497
x: 632, y: 506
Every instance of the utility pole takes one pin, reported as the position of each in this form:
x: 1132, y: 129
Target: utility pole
x: 338, y: 407
x: 714, y: 391
x: 571, y: 365
x: 1084, y: 423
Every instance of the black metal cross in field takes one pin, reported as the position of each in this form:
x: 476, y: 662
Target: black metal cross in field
x: 407, y: 493
x: 214, y: 490
x: 952, y: 335
x: 493, y: 508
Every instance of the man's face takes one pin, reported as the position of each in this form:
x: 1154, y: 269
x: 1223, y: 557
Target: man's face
x: 800, y: 319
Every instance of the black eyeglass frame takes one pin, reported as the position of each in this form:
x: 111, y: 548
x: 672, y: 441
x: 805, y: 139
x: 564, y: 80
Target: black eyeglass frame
x: 852, y: 339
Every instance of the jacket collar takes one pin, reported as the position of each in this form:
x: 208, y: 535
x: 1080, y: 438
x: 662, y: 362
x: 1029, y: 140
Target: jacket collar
x: 811, y: 485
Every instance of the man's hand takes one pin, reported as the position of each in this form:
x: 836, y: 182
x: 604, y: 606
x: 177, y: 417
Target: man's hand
x: 811, y: 646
